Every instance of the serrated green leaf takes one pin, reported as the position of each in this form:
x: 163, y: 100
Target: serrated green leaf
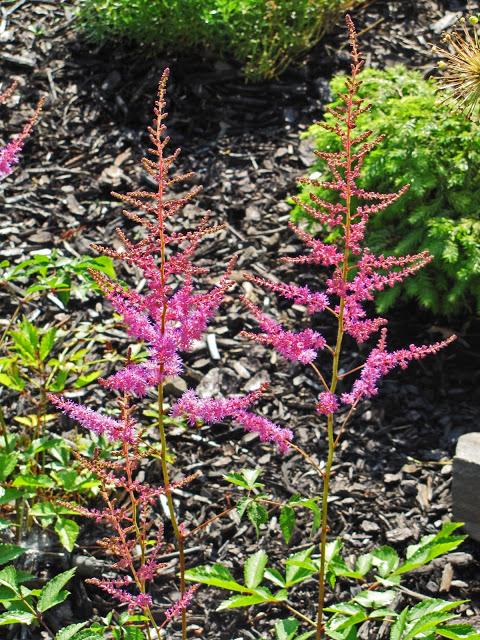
x: 67, y: 531
x: 67, y: 633
x: 10, y: 552
x: 236, y: 602
x: 431, y: 547
x: 82, y: 381
x: 8, y: 578
x: 286, y: 629
x: 215, y: 576
x: 287, y: 522
x: 385, y: 559
x: 427, y: 623
x: 52, y: 593
x: 433, y: 605
x: 375, y: 599
x: 8, y: 462
x: 133, y: 633
x: 398, y: 627
x: 274, y: 576
x: 257, y: 514
x: 458, y: 632
x: 363, y: 564
x: 16, y: 617
x: 46, y: 343
x: 254, y: 569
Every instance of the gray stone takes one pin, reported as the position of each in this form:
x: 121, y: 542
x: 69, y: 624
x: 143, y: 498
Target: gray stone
x: 466, y: 483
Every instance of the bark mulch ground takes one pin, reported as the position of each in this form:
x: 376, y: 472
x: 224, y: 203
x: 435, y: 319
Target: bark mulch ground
x: 393, y: 473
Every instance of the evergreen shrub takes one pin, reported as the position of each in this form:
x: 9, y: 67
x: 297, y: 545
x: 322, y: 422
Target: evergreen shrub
x: 437, y: 151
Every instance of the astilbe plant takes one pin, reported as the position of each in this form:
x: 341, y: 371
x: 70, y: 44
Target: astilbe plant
x: 168, y: 318
x: 357, y: 275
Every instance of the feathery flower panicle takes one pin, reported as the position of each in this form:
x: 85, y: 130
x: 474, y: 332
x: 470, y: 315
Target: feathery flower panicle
x: 9, y: 154
x: 357, y: 274
x: 460, y: 66
x: 176, y: 609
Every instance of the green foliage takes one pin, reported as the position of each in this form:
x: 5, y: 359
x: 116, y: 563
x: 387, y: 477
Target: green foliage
x: 437, y: 152
x: 58, y: 275
x: 262, y: 34
x: 378, y: 572
x: 26, y: 606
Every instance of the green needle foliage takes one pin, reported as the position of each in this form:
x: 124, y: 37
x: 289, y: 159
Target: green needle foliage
x: 438, y: 153
x: 264, y: 35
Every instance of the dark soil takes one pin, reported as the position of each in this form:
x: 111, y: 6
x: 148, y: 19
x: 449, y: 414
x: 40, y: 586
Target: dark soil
x: 393, y: 472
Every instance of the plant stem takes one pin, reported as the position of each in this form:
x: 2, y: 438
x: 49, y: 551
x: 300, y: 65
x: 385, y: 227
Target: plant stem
x: 347, y: 145
x: 166, y: 481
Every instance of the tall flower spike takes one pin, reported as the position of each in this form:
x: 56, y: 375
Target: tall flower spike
x: 356, y: 275
x: 10, y: 152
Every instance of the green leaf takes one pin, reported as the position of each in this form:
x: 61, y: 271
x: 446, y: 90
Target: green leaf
x: 299, y: 567
x: 375, y: 599
x: 12, y: 382
x: 458, y: 632
x: 275, y: 576
x: 41, y: 481
x: 67, y: 633
x: 257, y: 514
x: 215, y: 576
x: 286, y: 629
x: 254, y: 569
x: 82, y: 381
x: 287, y: 522
x: 396, y: 632
x: 52, y: 593
x: 10, y: 552
x: 426, y: 624
x: 364, y: 564
x: 9, y: 578
x: 247, y: 479
x: 67, y: 531
x: 433, y: 605
x: 133, y: 633
x: 16, y: 617
x: 431, y: 547
x: 236, y: 602
x: 8, y: 462
x: 46, y: 343
x: 385, y: 559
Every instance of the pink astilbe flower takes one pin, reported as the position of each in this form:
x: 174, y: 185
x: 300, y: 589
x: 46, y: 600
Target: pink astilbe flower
x: 96, y: 422
x: 315, y: 301
x: 380, y: 362
x: 327, y: 403
x: 9, y: 154
x: 301, y: 346
x: 267, y: 430
x: 176, y: 609
x: 215, y: 410
x: 116, y: 589
x: 356, y: 273
x: 210, y: 410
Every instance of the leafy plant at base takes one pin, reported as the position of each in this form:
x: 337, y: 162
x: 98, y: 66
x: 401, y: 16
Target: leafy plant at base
x: 265, y: 36
x: 38, y: 466
x: 437, y: 151
x: 379, y: 573
x: 22, y: 605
